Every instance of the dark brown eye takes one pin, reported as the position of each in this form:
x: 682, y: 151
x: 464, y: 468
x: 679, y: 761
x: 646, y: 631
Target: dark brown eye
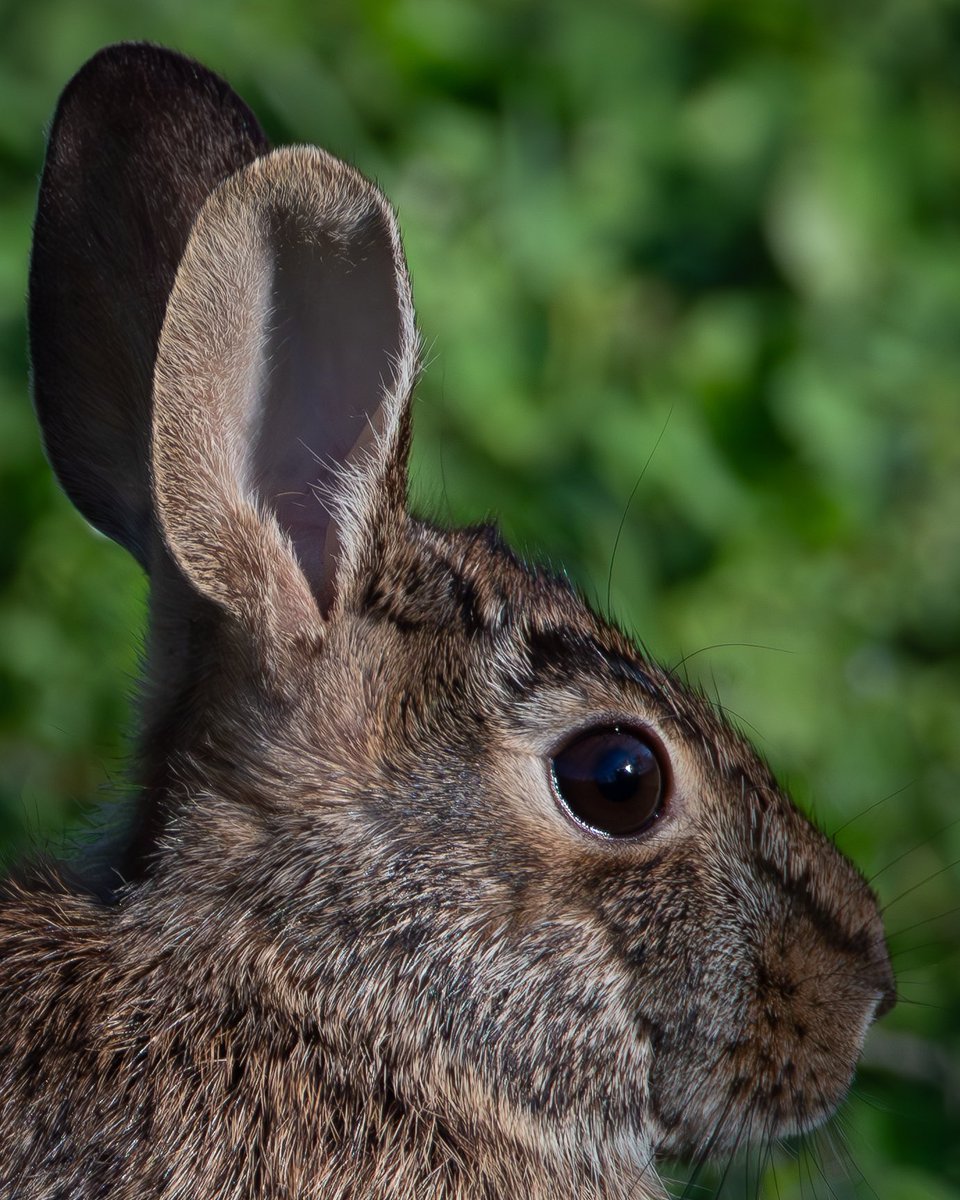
x: 610, y: 779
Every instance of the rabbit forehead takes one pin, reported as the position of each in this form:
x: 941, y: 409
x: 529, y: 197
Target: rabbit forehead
x: 460, y: 646
x: 477, y: 627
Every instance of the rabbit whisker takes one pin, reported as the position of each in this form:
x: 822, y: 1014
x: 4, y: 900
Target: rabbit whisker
x: 922, y: 883
x: 675, y: 667
x: 926, y: 921
x: 626, y: 507
x: 913, y: 849
x: 872, y: 807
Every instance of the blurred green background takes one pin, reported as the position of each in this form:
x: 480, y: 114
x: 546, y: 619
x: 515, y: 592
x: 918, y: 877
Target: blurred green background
x: 719, y: 234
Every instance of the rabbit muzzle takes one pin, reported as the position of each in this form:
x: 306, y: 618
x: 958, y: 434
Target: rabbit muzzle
x: 785, y: 976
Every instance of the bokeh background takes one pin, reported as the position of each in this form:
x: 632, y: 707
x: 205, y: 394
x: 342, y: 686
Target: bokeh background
x: 717, y: 239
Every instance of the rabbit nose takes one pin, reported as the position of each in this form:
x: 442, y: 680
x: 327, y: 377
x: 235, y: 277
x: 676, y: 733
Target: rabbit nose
x: 886, y: 982
x: 889, y: 996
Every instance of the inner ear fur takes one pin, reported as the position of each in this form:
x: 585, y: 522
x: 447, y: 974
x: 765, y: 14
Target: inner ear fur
x: 282, y: 390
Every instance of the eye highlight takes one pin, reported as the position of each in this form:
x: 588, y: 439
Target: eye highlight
x: 610, y: 780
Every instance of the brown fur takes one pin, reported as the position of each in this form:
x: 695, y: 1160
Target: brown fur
x: 368, y: 953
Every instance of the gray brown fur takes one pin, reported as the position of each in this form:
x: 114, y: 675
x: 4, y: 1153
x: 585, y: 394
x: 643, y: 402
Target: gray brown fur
x: 361, y: 951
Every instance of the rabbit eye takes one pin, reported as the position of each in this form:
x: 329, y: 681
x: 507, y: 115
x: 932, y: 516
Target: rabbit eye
x: 610, y: 780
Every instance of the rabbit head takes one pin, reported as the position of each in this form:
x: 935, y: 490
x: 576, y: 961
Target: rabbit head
x: 399, y: 785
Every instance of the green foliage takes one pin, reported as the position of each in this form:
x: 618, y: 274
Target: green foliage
x: 712, y: 241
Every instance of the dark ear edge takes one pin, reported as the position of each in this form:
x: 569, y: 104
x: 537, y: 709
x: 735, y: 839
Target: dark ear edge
x: 141, y: 136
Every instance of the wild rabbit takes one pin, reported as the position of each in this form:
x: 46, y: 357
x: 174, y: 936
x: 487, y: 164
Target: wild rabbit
x: 438, y: 887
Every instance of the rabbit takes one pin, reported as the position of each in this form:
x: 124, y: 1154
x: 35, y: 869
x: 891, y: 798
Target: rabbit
x: 437, y: 885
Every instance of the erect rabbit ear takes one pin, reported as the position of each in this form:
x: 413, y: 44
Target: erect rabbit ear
x: 140, y: 138
x: 282, y: 390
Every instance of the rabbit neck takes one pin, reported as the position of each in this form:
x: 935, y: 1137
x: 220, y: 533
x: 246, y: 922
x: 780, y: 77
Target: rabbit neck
x: 173, y: 1063
x: 329, y: 1111
x: 178, y: 691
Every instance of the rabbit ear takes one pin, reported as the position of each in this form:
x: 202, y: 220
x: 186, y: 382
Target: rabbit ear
x: 140, y: 138
x: 282, y: 390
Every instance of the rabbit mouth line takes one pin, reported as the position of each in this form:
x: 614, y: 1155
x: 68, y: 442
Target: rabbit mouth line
x: 743, y: 1116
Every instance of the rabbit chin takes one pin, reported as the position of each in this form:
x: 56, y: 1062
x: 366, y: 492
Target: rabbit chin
x: 755, y: 1092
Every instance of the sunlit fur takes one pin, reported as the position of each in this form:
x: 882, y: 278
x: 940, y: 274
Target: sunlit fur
x: 366, y: 953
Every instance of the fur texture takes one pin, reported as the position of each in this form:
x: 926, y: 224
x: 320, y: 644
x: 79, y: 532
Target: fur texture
x: 362, y: 949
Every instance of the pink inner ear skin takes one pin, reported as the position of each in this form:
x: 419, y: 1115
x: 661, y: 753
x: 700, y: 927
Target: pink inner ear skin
x: 332, y: 343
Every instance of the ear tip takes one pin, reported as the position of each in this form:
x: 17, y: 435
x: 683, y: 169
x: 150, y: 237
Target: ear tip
x: 121, y: 63
x: 322, y: 189
x: 118, y: 84
x: 126, y: 60
x: 320, y: 194
x: 304, y: 164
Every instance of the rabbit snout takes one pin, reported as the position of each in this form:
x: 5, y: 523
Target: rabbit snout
x: 786, y: 967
